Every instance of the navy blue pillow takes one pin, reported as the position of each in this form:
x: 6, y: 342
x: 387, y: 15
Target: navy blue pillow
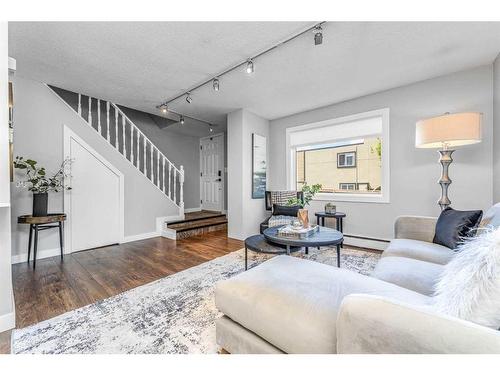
x: 285, y: 210
x: 453, y: 225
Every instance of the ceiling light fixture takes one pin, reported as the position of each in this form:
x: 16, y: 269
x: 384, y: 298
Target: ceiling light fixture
x: 318, y: 35
x: 215, y: 84
x: 249, y: 63
x: 211, y: 129
x: 250, y: 68
x: 182, y: 120
x: 163, y: 108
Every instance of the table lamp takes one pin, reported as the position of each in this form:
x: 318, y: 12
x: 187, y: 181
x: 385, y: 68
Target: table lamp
x: 444, y: 132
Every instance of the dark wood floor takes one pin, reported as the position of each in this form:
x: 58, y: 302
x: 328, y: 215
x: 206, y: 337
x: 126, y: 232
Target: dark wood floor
x: 88, y: 276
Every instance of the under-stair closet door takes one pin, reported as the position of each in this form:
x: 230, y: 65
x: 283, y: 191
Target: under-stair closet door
x: 95, y: 201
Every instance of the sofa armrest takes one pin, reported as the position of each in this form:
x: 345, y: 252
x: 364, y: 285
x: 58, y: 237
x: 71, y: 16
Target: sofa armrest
x: 373, y: 324
x: 420, y: 228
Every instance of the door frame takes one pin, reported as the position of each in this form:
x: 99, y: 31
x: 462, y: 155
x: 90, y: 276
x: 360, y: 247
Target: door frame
x: 223, y: 182
x: 69, y: 135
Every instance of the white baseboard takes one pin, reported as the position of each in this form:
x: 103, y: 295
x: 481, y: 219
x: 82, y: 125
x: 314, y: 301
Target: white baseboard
x: 7, y: 321
x: 41, y: 254
x: 195, y: 209
x: 366, y: 243
x: 140, y: 236
x: 171, y: 234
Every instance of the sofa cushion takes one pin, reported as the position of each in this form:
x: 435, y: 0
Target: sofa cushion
x: 408, y: 273
x: 453, y: 225
x: 293, y: 303
x: 420, y: 250
x: 277, y: 220
x: 279, y: 210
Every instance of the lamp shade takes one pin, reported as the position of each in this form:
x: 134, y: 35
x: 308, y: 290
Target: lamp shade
x: 450, y: 130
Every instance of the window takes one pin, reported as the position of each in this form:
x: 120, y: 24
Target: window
x: 349, y: 157
x: 349, y: 186
x: 346, y: 160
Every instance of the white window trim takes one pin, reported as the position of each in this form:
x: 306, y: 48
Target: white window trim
x: 384, y: 197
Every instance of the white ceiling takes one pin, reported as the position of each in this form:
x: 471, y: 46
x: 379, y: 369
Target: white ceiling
x: 141, y: 64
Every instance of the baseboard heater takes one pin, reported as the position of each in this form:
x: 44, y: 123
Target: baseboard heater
x: 366, y: 238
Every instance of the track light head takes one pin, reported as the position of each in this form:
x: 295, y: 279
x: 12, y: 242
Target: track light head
x: 181, y: 120
x: 163, y: 108
x: 211, y: 129
x: 189, y: 99
x: 318, y: 35
x: 215, y: 84
x: 250, y: 68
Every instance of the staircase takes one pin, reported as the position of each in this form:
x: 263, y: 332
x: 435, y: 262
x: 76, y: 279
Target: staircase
x: 195, y: 223
x: 127, y: 139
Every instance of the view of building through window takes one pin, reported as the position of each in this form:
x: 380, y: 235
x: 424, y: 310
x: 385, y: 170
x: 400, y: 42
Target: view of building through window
x: 351, y: 167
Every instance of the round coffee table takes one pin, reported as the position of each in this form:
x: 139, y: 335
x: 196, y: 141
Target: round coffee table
x: 258, y: 244
x: 324, y: 237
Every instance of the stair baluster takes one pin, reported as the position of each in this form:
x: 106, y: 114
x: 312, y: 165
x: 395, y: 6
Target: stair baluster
x: 160, y: 180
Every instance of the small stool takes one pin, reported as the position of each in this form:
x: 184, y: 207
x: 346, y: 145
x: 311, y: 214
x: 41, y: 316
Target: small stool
x: 259, y: 244
x: 38, y: 223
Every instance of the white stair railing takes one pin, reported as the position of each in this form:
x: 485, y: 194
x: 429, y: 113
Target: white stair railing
x: 166, y: 171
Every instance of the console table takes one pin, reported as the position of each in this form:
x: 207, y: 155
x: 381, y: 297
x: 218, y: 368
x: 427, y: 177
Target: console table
x: 38, y: 223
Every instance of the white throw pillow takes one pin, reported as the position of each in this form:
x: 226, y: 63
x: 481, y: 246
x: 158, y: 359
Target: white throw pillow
x: 469, y: 287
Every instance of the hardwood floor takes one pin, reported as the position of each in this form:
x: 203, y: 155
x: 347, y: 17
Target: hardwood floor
x: 82, y: 278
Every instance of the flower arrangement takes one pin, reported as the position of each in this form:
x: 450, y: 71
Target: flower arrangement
x: 37, y: 180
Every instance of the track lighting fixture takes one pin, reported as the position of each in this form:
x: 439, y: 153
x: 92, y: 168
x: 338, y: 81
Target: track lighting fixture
x: 211, y: 129
x: 250, y: 68
x: 318, y: 35
x: 215, y: 84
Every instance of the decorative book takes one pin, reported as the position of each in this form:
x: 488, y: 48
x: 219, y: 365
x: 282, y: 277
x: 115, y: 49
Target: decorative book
x: 299, y: 233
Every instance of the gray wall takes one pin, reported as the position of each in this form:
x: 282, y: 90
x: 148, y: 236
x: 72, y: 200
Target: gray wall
x: 496, y: 131
x: 179, y: 149
x: 39, y: 119
x: 414, y: 172
x: 244, y: 213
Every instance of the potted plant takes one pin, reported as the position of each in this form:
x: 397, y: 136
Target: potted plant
x: 308, y: 194
x: 36, y: 181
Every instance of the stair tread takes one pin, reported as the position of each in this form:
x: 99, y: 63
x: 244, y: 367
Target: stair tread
x: 197, y: 216
x: 194, y: 224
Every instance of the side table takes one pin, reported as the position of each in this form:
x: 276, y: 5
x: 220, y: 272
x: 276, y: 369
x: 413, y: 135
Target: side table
x: 339, y: 220
x: 38, y: 223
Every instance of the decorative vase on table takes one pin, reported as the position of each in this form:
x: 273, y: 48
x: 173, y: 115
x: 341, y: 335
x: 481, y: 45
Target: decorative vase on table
x: 303, y: 216
x: 40, y: 204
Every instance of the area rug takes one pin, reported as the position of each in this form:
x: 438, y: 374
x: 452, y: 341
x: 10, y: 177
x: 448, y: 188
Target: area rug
x: 175, y: 314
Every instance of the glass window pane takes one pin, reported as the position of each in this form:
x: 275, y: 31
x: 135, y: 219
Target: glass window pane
x: 351, y: 168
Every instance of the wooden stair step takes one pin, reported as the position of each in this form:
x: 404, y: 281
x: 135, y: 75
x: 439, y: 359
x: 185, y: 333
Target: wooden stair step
x: 198, y: 223
x: 198, y: 216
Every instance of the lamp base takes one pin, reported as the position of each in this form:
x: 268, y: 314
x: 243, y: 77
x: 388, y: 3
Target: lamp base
x: 445, y: 159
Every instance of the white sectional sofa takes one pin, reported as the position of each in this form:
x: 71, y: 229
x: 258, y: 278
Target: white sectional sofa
x: 292, y: 305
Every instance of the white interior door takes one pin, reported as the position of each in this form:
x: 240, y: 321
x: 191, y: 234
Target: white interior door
x: 212, y: 172
x: 95, y: 201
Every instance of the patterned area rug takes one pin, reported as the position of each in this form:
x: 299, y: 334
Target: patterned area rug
x: 175, y: 314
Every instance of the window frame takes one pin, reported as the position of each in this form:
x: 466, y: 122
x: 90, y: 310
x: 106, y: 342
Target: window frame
x: 384, y: 196
x: 355, y: 156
